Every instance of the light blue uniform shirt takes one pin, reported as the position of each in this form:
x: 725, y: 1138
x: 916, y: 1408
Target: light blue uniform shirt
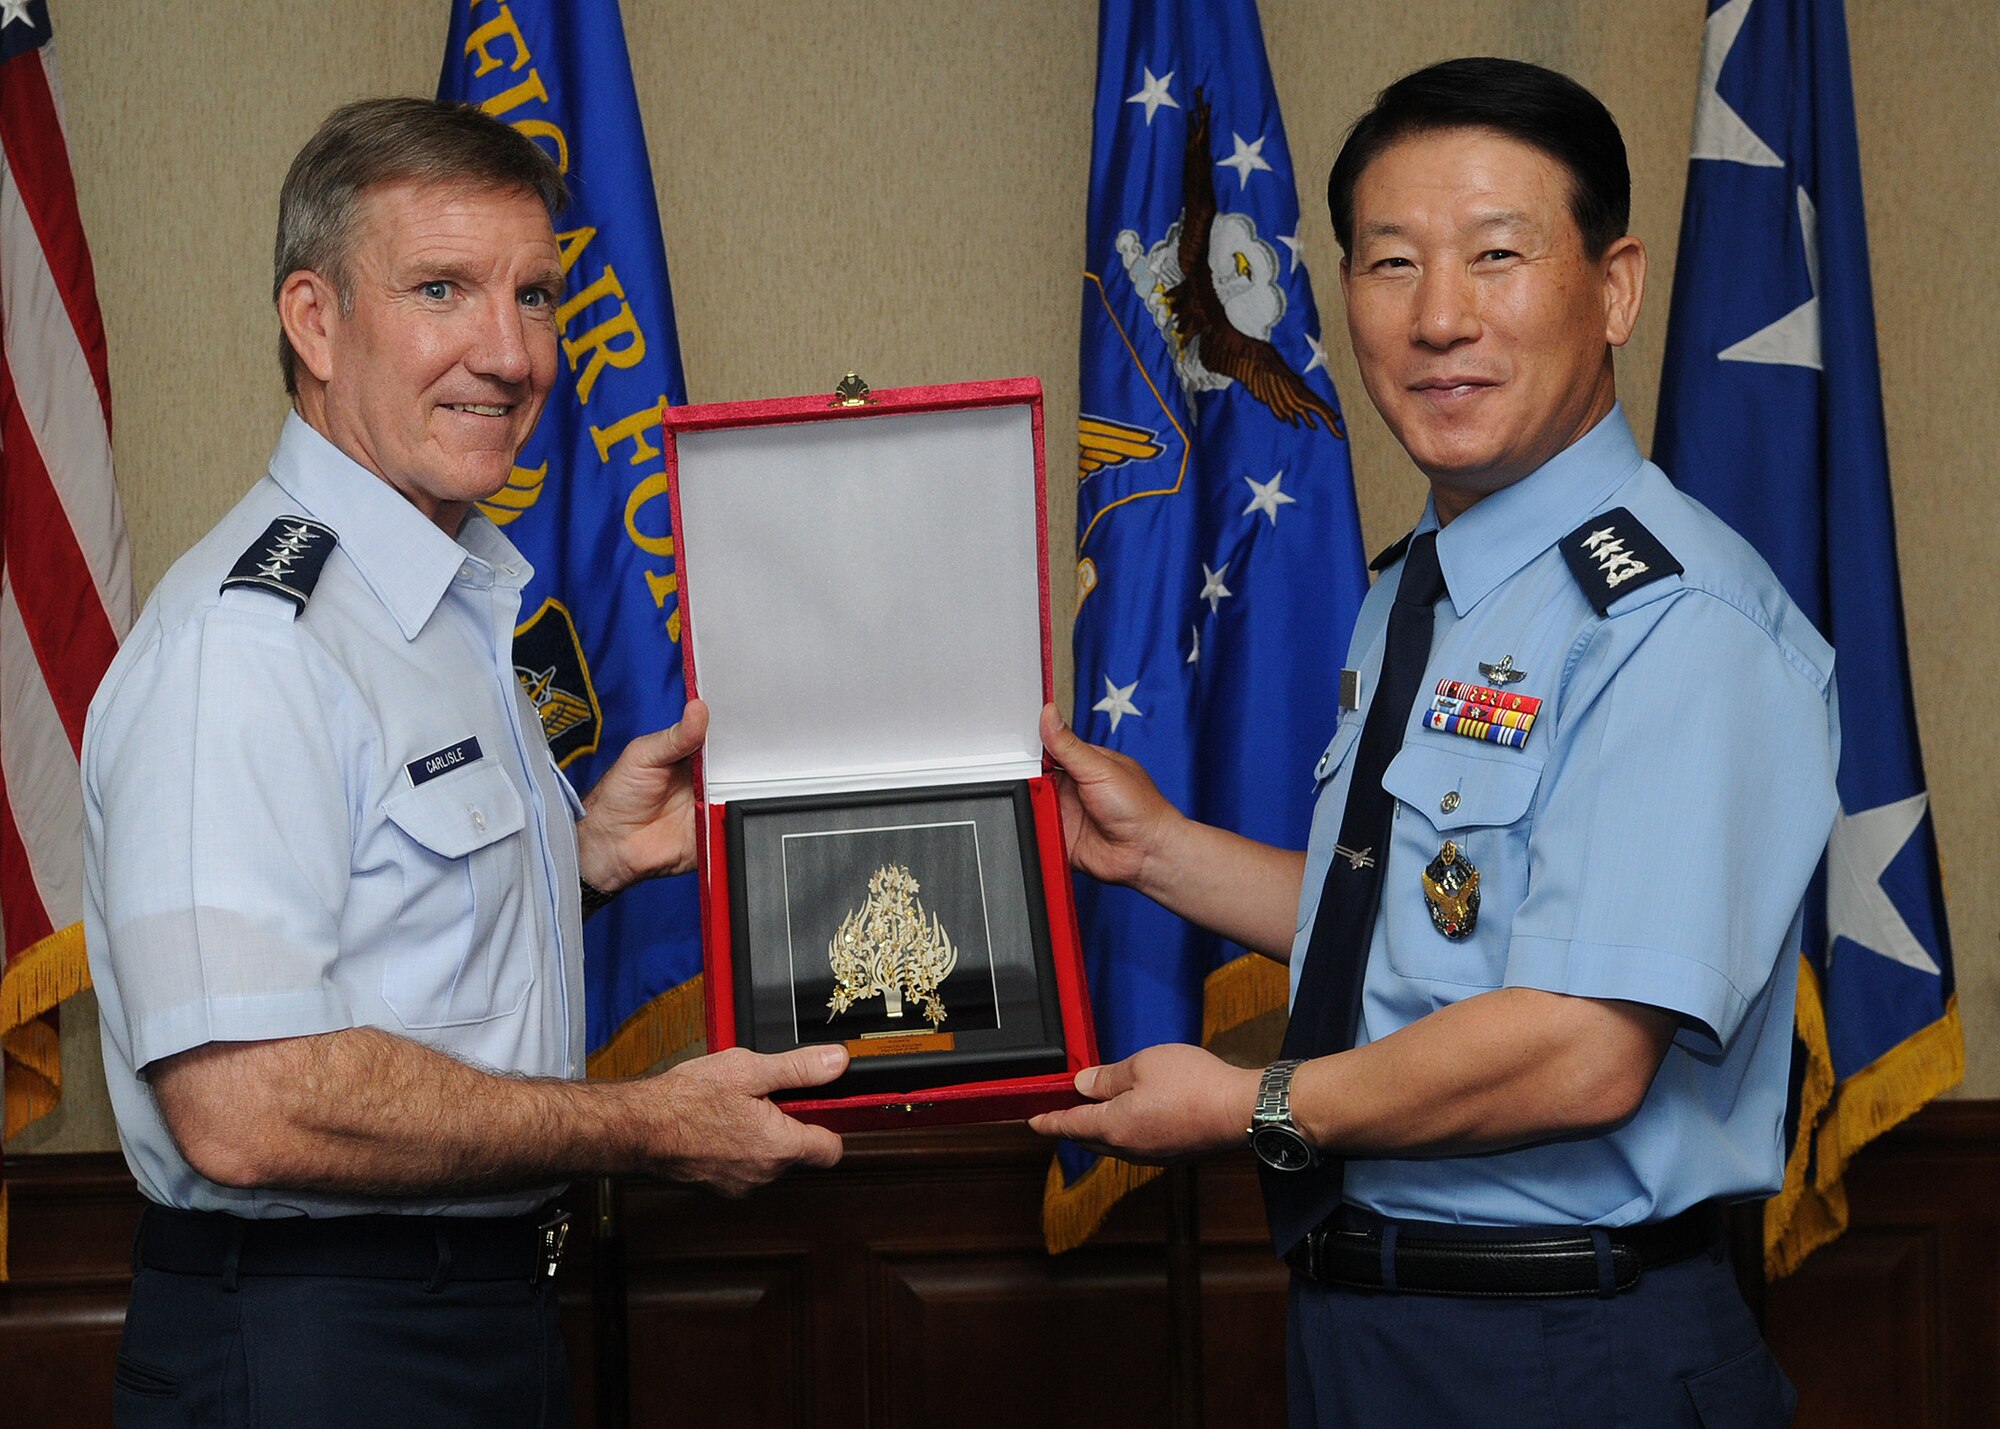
x: 1651, y: 841
x: 261, y: 862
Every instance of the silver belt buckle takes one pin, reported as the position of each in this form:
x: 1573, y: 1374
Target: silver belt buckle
x: 550, y: 1236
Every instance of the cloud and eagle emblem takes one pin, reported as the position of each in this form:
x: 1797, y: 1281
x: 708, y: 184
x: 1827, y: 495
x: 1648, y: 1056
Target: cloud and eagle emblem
x: 1212, y: 287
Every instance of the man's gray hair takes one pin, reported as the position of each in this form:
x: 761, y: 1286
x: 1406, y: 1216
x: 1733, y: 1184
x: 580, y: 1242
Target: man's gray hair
x: 372, y: 142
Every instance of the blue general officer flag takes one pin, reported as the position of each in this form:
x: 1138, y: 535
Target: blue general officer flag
x: 1771, y: 414
x: 1219, y: 563
x: 599, y: 645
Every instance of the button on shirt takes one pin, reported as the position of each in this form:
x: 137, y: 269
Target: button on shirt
x: 346, y: 815
x: 1651, y: 841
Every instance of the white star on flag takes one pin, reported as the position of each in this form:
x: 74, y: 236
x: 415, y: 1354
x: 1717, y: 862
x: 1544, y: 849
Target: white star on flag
x: 1793, y: 340
x: 1194, y: 653
x: 1246, y: 160
x: 1719, y: 131
x: 15, y: 10
x: 1213, y: 590
x: 1267, y: 498
x: 1298, y: 248
x: 1858, y: 907
x: 1154, y: 95
x: 1117, y: 702
x: 1319, y: 353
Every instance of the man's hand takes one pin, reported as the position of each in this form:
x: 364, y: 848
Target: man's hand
x: 1121, y: 829
x: 719, y: 1127
x: 1158, y: 1106
x: 1114, y: 817
x: 639, y: 818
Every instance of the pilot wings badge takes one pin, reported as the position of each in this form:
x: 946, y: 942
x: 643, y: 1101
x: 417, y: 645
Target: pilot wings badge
x: 887, y: 949
x: 1451, y: 892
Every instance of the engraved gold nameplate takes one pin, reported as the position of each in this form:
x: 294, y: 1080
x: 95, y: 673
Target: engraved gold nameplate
x: 1451, y: 892
x: 886, y: 948
x: 896, y: 1044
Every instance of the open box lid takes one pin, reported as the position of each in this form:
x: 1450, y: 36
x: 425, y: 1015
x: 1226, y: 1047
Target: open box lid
x: 863, y: 588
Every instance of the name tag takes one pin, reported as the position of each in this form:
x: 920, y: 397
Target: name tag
x: 466, y: 751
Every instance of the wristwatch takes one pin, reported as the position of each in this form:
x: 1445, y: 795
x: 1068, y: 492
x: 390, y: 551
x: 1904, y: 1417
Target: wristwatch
x: 1274, y: 1136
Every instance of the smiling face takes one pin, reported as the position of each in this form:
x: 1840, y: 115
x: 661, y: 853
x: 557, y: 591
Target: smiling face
x: 435, y: 372
x: 1482, y: 329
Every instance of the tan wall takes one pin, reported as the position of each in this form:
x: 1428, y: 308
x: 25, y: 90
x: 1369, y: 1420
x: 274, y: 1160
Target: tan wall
x: 898, y: 186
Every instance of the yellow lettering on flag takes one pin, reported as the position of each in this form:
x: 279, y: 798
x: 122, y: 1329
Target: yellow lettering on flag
x: 480, y: 42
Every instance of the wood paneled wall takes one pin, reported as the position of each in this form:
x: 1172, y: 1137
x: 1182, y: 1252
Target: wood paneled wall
x: 908, y: 1287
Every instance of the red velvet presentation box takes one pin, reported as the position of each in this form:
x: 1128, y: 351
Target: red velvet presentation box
x: 865, y: 609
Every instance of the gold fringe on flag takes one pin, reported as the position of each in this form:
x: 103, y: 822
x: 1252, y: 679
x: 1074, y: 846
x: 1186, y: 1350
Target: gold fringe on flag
x: 40, y: 976
x: 662, y: 1028
x: 1233, y: 997
x: 1836, y: 1121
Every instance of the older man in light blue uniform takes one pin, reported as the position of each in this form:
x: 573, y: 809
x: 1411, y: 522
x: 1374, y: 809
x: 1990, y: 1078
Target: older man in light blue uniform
x: 1544, y: 938
x: 335, y: 880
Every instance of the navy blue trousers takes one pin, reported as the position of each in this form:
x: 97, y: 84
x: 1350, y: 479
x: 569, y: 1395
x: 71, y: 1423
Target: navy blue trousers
x: 1679, y: 1350
x: 315, y: 1352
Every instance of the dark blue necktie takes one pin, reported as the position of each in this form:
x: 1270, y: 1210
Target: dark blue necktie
x: 1327, y: 1010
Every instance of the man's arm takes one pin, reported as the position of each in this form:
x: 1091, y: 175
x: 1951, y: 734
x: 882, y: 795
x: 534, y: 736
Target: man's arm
x: 367, y: 1113
x: 1502, y: 1069
x: 1122, y: 830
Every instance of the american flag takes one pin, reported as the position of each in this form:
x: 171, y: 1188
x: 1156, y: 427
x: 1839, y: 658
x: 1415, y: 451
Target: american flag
x: 65, y: 577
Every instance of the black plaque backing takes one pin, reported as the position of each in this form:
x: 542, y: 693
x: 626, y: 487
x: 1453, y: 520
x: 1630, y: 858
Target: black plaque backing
x: 799, y: 867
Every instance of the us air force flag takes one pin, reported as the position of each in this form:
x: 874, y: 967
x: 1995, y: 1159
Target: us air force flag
x: 1771, y: 414
x: 1219, y: 562
x: 599, y: 648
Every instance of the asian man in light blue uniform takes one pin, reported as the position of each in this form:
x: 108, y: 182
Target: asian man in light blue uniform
x: 335, y: 881
x: 1544, y: 938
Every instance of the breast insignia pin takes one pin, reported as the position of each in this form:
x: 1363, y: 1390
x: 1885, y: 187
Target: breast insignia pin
x: 1502, y: 673
x: 1451, y: 892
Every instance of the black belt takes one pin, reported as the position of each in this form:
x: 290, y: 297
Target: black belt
x: 433, y: 1249
x: 1476, y: 1261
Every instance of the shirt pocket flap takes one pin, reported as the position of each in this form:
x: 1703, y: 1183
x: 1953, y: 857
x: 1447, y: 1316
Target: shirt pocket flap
x: 458, y: 812
x: 1336, y: 750
x: 1463, y: 789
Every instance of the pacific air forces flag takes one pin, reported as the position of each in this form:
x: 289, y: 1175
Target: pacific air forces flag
x: 1771, y: 414
x: 598, y: 648
x: 1219, y: 562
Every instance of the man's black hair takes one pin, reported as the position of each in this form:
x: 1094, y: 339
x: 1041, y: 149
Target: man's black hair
x: 1537, y: 106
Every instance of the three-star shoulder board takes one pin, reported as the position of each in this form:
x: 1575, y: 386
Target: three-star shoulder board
x: 285, y: 560
x: 1611, y: 555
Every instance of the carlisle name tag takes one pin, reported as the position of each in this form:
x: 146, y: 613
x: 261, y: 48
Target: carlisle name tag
x: 443, y: 761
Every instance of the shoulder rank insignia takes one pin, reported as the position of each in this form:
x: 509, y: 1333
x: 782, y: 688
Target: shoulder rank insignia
x: 285, y: 560
x: 1612, y: 555
x: 1393, y: 552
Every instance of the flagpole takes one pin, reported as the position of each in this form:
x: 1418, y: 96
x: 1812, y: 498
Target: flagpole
x: 1184, y: 1293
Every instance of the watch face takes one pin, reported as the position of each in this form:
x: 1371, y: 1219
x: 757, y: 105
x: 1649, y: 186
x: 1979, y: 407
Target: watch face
x: 1281, y: 1148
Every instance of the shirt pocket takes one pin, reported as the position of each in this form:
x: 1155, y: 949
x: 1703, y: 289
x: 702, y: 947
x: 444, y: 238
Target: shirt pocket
x: 1482, y: 803
x: 459, y: 958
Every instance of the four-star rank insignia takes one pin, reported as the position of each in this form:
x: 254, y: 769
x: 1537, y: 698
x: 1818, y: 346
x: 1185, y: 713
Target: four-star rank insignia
x: 549, y: 663
x: 285, y: 560
x: 1451, y: 892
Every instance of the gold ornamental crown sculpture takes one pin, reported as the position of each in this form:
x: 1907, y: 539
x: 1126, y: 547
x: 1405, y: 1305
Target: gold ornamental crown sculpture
x: 887, y: 949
